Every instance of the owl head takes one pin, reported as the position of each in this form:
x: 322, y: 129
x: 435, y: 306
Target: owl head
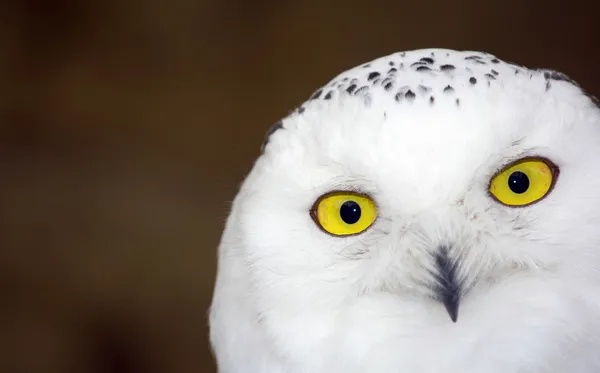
x: 425, y: 193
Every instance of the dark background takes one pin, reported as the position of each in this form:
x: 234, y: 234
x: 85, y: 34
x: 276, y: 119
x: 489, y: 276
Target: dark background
x: 126, y: 127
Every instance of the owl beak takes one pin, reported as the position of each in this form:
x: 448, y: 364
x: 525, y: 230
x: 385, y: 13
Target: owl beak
x: 448, y: 287
x: 451, y: 304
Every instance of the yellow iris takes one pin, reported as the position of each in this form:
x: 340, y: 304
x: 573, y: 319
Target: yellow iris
x: 523, y: 182
x: 344, y: 213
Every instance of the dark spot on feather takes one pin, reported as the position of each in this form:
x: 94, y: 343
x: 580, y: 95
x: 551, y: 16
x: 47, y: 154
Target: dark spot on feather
x: 373, y: 75
x: 270, y: 131
x: 555, y: 75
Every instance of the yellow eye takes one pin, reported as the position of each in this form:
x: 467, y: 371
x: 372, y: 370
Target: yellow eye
x: 344, y: 213
x: 524, y: 182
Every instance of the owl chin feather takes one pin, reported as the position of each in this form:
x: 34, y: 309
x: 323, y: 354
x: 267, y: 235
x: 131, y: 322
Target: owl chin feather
x: 480, y: 187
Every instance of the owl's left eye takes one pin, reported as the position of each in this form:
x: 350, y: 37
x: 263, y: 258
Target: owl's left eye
x: 524, y: 182
x: 344, y: 213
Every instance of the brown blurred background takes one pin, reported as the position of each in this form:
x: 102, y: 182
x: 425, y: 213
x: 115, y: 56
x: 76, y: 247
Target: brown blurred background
x: 126, y: 127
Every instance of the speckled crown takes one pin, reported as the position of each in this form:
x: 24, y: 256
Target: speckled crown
x: 425, y: 74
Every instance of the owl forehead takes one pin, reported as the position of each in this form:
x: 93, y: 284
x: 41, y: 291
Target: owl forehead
x: 421, y: 74
x: 434, y: 80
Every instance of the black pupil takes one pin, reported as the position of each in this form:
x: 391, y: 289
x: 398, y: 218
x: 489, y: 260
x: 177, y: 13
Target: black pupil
x: 350, y: 212
x: 518, y: 182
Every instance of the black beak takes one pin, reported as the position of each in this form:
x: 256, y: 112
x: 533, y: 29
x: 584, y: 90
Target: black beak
x: 451, y: 302
x: 448, y: 287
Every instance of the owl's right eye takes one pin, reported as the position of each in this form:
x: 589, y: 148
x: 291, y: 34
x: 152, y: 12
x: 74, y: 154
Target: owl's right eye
x: 344, y: 213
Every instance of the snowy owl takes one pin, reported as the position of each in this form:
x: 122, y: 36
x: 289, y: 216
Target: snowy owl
x: 428, y: 211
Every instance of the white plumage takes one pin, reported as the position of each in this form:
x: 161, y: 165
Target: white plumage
x: 423, y: 134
